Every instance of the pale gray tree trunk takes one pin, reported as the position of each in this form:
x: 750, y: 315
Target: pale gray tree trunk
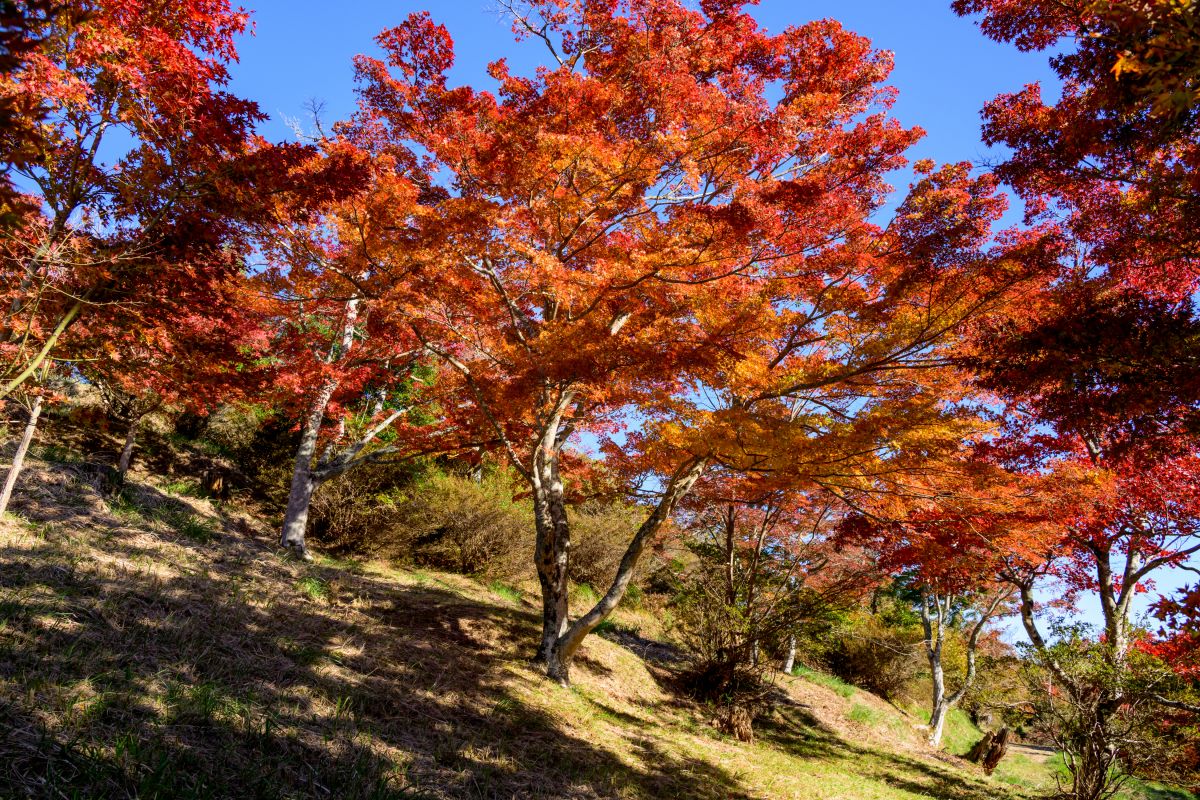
x: 789, y: 663
x: 304, y: 483
x: 19, y: 457
x: 933, y: 624
x: 937, y: 719
x: 934, y: 628
x: 304, y: 480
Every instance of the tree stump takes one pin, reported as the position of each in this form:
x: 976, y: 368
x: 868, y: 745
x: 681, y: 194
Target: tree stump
x: 981, y: 748
x: 996, y: 751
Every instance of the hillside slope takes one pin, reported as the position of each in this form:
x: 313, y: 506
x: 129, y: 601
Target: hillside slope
x: 160, y: 646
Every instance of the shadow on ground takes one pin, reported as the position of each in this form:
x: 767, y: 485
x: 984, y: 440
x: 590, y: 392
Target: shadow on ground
x: 151, y: 651
x: 237, y: 673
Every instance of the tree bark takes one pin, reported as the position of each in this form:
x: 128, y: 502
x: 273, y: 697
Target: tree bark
x: 19, y: 457
x: 933, y: 626
x: 126, y: 459
x: 937, y: 721
x: 564, y: 649
x: 40, y: 357
x: 789, y: 663
x: 552, y: 561
x: 304, y: 479
x: 304, y: 483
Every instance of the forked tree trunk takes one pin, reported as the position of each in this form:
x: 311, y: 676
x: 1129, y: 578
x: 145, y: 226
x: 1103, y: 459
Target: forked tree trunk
x: 789, y: 663
x: 304, y: 481
x: 934, y: 626
x: 19, y: 457
x: 558, y: 654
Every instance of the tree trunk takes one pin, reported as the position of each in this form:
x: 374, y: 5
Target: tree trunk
x: 304, y: 483
x: 19, y: 457
x: 996, y: 751
x: 126, y: 459
x: 295, y: 517
x: 981, y: 748
x: 933, y: 623
x: 789, y: 663
x: 558, y: 666
x: 937, y: 721
x: 553, y: 559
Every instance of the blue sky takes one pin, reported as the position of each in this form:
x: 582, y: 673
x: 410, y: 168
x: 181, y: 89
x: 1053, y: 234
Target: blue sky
x: 945, y: 69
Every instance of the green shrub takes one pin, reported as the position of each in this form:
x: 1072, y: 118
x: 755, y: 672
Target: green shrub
x: 881, y: 658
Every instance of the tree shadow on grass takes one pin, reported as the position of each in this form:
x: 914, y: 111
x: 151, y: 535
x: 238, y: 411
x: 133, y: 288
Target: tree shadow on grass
x: 794, y: 730
x: 137, y: 664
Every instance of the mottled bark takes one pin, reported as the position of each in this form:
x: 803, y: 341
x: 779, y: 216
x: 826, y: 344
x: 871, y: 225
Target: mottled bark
x: 295, y: 517
x: 789, y: 662
x: 935, y: 609
x: 304, y: 478
x: 18, y: 461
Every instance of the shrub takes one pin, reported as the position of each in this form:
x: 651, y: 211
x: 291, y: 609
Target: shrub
x: 357, y: 512
x: 880, y: 658
x: 230, y: 429
x: 468, y: 526
x: 600, y: 532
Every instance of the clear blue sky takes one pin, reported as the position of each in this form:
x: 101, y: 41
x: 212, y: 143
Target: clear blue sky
x: 945, y: 69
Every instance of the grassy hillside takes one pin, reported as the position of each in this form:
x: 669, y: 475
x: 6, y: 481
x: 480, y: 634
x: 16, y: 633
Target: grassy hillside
x: 158, y: 646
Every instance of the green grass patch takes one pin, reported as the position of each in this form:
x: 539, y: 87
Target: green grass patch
x: 184, y: 487
x: 58, y: 454
x: 824, y: 679
x: 959, y: 733
x: 313, y: 588
x: 864, y: 715
x: 191, y: 526
x: 203, y: 703
x: 583, y: 594
x: 509, y: 593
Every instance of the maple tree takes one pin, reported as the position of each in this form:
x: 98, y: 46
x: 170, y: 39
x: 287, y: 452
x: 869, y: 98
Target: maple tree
x: 1124, y: 507
x: 950, y: 541
x: 1114, y: 161
x: 1100, y: 370
x: 345, y: 358
x: 145, y: 175
x: 1117, y: 153
x: 19, y: 132
x: 766, y: 565
x: 186, y: 353
x: 642, y: 232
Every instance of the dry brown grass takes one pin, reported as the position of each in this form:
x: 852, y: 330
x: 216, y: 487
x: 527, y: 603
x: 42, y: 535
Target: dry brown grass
x: 158, y: 645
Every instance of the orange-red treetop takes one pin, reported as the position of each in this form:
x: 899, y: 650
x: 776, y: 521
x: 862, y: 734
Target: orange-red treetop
x: 671, y: 224
x: 148, y: 180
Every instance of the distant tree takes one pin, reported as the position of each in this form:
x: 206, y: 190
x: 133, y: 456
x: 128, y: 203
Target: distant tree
x: 766, y: 566
x: 945, y: 541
